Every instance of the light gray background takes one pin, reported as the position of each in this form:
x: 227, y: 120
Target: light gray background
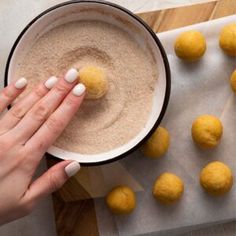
x: 14, y: 15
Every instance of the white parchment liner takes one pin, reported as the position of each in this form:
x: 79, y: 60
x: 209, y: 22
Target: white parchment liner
x: 197, y: 88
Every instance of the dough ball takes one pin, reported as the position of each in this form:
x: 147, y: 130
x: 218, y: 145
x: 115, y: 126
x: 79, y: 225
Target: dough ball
x: 157, y: 145
x: 121, y: 200
x: 168, y: 188
x: 233, y: 81
x: 94, y: 80
x: 228, y: 39
x: 190, y: 46
x: 207, y: 131
x: 216, y: 178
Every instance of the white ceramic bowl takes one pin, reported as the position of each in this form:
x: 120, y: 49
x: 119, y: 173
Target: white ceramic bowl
x: 112, y: 14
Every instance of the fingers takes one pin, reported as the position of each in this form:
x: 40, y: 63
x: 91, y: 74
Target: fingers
x: 43, y: 108
x: 51, y: 180
x: 11, y: 92
x: 57, y: 122
x: 18, y: 111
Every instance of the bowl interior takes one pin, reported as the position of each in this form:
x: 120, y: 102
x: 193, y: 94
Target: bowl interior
x: 76, y: 11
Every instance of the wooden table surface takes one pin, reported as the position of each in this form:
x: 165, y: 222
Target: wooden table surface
x: 77, y: 217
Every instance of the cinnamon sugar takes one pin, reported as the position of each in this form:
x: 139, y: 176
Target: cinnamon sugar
x: 121, y: 114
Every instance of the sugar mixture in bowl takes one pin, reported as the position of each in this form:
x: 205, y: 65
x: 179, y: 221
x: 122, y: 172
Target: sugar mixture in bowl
x: 113, y: 120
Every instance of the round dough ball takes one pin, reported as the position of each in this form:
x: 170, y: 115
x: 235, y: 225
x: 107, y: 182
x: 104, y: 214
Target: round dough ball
x: 121, y: 200
x: 190, y: 46
x: 168, y: 188
x: 207, y: 131
x: 157, y: 145
x: 233, y: 81
x: 216, y: 178
x: 94, y: 80
x: 228, y: 39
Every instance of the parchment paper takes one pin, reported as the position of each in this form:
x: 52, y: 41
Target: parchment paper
x: 198, y: 88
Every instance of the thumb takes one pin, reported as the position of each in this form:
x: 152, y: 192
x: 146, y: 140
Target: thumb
x: 52, y: 180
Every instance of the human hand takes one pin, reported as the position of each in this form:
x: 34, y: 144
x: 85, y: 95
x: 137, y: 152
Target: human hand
x: 27, y: 130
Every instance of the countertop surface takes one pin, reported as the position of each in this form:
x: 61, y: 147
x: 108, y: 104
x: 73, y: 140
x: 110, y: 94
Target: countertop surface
x: 14, y: 15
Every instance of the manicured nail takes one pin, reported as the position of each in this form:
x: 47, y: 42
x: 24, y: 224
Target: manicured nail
x: 72, y: 168
x: 51, y: 82
x: 78, y: 90
x: 20, y: 83
x: 71, y: 75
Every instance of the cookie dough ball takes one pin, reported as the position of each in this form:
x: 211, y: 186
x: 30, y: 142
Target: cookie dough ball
x: 207, y: 131
x: 121, y: 200
x: 158, y: 144
x: 190, y: 46
x: 94, y: 80
x: 233, y: 81
x: 168, y: 188
x: 216, y: 178
x: 228, y: 39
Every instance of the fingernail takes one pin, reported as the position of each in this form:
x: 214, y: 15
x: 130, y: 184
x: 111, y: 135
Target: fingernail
x: 20, y: 83
x: 51, y: 82
x: 72, y: 168
x: 71, y: 75
x: 78, y: 90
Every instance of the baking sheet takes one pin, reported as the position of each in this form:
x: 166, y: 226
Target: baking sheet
x: 198, y: 88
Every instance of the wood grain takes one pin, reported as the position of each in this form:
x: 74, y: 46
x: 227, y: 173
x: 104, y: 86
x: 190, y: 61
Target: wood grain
x: 169, y: 19
x: 224, y: 8
x: 77, y: 217
x: 73, y: 217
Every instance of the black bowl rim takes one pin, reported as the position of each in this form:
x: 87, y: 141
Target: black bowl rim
x: 157, y: 41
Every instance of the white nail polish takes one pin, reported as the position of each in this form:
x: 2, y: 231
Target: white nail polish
x: 51, y: 82
x: 72, y: 168
x: 71, y: 75
x: 78, y: 90
x: 20, y: 83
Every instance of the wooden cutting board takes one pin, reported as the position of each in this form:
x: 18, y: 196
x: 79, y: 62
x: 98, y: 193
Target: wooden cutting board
x: 73, y: 205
